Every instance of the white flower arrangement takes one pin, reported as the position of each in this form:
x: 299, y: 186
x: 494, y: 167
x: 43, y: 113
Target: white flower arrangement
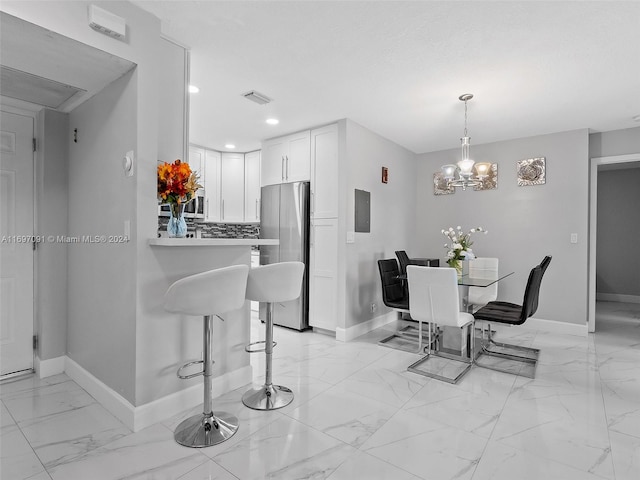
x: 459, y: 246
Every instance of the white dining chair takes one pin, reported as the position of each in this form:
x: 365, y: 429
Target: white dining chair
x: 434, y: 298
x: 483, y: 267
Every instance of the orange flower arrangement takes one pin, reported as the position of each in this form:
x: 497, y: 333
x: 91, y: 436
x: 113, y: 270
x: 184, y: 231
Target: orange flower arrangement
x: 177, y: 184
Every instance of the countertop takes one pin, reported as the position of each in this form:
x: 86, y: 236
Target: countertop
x: 211, y: 242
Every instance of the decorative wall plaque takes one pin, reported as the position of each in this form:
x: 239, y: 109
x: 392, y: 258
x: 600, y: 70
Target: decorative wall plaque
x: 532, y: 171
x: 441, y: 186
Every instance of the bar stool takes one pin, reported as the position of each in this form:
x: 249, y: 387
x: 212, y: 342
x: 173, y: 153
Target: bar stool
x: 207, y: 294
x: 278, y: 282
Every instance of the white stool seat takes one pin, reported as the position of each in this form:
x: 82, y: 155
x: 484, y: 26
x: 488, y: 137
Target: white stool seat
x: 207, y: 294
x: 278, y: 282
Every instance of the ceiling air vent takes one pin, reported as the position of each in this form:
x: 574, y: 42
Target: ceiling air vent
x: 256, y: 97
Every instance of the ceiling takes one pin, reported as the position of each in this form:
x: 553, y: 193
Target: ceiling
x: 398, y: 68
x: 41, y: 67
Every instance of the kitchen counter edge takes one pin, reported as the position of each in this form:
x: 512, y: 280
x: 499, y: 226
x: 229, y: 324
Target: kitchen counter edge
x: 211, y: 242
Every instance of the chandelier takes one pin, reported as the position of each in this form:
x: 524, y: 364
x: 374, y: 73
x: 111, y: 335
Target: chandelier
x: 465, y: 167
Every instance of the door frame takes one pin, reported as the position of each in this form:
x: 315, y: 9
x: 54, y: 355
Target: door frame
x: 593, y: 227
x: 33, y: 114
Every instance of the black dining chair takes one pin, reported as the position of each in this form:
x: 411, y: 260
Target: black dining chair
x: 403, y: 259
x: 525, y: 358
x: 395, y: 295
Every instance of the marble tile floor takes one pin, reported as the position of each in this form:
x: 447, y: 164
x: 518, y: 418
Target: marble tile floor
x: 358, y: 414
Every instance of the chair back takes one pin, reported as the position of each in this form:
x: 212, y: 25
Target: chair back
x: 277, y: 282
x: 483, y: 267
x: 210, y: 293
x: 393, y: 292
x: 530, y: 301
x: 403, y: 258
x: 433, y: 295
x: 543, y: 267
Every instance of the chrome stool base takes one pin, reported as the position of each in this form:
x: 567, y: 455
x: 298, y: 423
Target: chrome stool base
x: 268, y: 397
x: 204, y: 430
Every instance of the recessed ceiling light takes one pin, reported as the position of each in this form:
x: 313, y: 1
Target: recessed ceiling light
x: 229, y: 146
x: 193, y: 89
x: 273, y: 121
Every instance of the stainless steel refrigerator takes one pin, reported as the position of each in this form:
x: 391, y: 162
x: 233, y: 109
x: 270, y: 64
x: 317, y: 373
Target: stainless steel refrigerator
x: 284, y: 214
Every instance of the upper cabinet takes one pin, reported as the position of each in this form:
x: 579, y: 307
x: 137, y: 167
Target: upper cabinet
x: 231, y: 184
x: 173, y: 101
x: 211, y: 185
x: 252, y: 186
x: 286, y: 159
x: 232, y: 187
x: 324, y: 168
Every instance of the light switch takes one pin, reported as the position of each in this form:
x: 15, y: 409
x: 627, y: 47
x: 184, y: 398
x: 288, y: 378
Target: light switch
x: 351, y: 237
x: 574, y: 238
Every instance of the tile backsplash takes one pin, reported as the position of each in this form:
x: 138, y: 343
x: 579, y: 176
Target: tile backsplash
x: 216, y: 230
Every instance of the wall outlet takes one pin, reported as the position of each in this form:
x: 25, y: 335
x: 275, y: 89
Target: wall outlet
x: 373, y: 307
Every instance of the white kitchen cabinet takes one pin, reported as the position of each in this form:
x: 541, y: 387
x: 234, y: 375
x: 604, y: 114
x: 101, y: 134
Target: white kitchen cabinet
x: 324, y: 172
x: 286, y: 159
x: 196, y: 161
x: 323, y: 277
x: 211, y: 186
x: 252, y: 186
x: 173, y: 106
x: 232, y: 187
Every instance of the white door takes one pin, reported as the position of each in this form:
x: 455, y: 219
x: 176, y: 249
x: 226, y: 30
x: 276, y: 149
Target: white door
x: 323, y: 274
x: 298, y: 158
x: 212, y: 186
x: 272, y: 167
x: 252, y: 186
x: 16, y: 247
x: 324, y: 184
x: 232, y: 187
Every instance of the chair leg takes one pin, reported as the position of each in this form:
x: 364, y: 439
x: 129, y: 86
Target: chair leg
x: 208, y: 428
x: 529, y: 354
x: 268, y: 396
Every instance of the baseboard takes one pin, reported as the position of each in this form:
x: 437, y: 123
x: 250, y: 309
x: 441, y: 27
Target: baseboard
x: 553, y: 326
x: 117, y: 405
x: 617, y: 297
x: 170, y: 405
x: 137, y: 418
x: 49, y: 367
x: 348, y: 334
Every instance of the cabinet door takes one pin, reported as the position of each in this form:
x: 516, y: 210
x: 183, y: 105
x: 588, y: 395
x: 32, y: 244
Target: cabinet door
x: 272, y: 169
x: 196, y: 162
x: 252, y: 187
x: 298, y: 157
x: 232, y: 187
x: 211, y: 186
x: 323, y: 274
x: 324, y: 173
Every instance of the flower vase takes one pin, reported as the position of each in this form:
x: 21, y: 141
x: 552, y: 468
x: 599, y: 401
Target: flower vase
x: 457, y: 264
x: 177, y: 226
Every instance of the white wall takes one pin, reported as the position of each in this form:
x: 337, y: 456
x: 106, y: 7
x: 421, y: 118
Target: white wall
x: 101, y: 293
x: 524, y: 223
x: 393, y: 213
x: 52, y: 184
x: 618, y: 264
x: 141, y: 46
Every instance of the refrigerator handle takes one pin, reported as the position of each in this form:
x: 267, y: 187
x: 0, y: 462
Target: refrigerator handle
x: 313, y: 203
x: 256, y: 208
x: 282, y: 168
x: 287, y: 169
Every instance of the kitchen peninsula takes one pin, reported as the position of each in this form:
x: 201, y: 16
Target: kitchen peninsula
x: 172, y: 340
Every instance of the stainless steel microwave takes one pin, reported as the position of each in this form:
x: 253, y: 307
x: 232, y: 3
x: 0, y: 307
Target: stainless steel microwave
x: 193, y: 209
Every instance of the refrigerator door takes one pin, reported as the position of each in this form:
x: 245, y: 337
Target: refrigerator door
x: 293, y: 233
x: 294, y: 246
x: 269, y: 223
